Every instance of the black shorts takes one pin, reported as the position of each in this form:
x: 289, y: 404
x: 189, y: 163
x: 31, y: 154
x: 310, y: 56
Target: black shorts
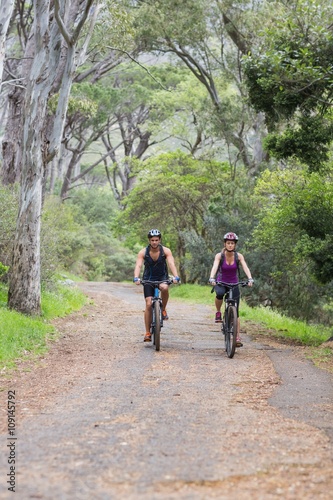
x: 148, y: 290
x: 221, y: 290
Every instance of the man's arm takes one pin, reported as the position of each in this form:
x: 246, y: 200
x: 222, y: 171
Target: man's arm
x: 138, y: 265
x: 170, y: 261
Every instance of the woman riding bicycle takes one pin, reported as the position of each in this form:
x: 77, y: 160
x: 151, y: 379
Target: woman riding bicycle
x: 155, y: 258
x: 226, y: 267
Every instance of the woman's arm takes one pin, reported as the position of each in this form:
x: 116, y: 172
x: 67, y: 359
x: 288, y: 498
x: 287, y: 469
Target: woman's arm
x: 245, y: 268
x: 215, y: 267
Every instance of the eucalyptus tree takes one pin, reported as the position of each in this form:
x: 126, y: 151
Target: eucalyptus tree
x: 210, y: 39
x: 52, y: 50
x: 109, y: 21
x: 134, y: 112
x: 55, y: 34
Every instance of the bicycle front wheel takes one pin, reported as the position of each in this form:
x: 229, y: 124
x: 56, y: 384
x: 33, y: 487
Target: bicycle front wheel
x: 157, y: 333
x: 231, y: 331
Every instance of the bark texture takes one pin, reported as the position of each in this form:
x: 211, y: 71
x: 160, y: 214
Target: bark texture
x: 6, y: 9
x: 24, y: 290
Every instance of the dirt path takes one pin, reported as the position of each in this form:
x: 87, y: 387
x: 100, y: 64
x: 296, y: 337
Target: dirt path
x: 104, y: 416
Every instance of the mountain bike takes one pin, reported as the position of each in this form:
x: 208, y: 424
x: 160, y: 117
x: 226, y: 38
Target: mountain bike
x: 229, y: 326
x: 157, y: 316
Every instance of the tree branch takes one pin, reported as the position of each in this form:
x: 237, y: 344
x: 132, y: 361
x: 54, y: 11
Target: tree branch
x: 141, y: 65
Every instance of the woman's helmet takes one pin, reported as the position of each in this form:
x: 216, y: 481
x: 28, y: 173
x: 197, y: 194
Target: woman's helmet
x: 154, y: 232
x: 231, y: 237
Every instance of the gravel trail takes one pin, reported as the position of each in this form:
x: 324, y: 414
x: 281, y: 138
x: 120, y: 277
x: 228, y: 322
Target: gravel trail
x: 105, y: 416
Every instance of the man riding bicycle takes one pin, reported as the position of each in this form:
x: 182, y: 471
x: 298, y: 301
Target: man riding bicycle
x: 226, y: 266
x: 156, y: 259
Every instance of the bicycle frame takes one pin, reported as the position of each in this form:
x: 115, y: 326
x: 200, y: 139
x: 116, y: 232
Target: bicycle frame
x: 229, y: 324
x: 157, y: 316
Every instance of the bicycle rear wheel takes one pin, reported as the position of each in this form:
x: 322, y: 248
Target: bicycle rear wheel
x: 231, y: 331
x: 157, y: 333
x: 224, y: 329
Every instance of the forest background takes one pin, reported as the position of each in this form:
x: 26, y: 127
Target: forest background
x: 195, y: 117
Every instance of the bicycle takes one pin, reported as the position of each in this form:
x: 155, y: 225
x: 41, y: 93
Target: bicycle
x: 157, y: 316
x: 229, y: 326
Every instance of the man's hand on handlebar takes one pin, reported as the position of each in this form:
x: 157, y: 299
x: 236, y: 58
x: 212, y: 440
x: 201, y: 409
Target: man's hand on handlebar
x: 137, y: 281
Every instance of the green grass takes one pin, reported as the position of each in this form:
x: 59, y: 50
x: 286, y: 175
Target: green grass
x: 193, y: 293
x: 62, y: 302
x: 22, y: 336
x: 278, y: 324
x: 285, y: 327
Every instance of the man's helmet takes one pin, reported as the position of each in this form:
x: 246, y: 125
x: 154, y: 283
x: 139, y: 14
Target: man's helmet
x: 231, y: 237
x: 154, y: 232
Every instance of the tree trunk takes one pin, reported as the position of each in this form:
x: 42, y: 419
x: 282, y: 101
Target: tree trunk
x: 24, y: 289
x: 6, y: 9
x: 12, y: 141
x: 41, y: 142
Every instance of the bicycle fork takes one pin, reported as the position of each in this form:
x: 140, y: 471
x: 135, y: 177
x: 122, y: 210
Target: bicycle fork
x: 155, y: 299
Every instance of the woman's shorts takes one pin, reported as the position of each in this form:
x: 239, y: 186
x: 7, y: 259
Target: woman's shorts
x: 221, y: 290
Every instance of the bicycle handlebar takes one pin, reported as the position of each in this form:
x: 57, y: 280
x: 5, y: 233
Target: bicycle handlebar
x: 232, y: 285
x: 156, y: 283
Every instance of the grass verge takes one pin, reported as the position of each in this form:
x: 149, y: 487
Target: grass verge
x: 22, y: 336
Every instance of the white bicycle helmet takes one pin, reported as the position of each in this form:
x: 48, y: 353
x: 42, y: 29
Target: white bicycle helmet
x: 154, y: 232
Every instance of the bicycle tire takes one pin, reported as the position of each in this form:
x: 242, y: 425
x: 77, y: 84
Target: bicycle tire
x: 231, y: 333
x: 223, y: 330
x: 157, y: 334
x: 152, y: 325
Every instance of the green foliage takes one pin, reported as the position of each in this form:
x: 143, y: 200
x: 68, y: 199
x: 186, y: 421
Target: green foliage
x: 291, y: 249
x: 113, y: 28
x: 171, y: 193
x: 231, y: 208
x: 77, y: 103
x: 183, y: 22
x: 3, y: 269
x: 63, y: 239
x: 309, y: 143
x: 289, y: 78
x: 93, y: 250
